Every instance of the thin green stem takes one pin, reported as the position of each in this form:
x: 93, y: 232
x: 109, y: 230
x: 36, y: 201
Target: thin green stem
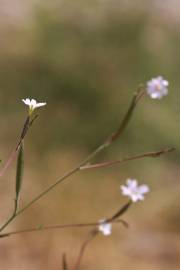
x: 12, y: 217
x: 47, y: 190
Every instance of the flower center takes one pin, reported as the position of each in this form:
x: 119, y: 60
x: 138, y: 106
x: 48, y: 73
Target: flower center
x: 158, y: 86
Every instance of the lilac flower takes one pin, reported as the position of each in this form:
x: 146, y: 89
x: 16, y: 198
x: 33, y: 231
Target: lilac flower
x: 135, y: 192
x: 157, y: 87
x: 105, y: 227
x: 33, y: 104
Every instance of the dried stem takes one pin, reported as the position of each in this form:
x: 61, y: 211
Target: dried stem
x: 90, y: 237
x: 111, y: 163
x: 65, y: 226
x: 64, y: 262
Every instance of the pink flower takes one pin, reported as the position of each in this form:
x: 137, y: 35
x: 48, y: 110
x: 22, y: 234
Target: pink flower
x: 135, y: 192
x: 157, y: 87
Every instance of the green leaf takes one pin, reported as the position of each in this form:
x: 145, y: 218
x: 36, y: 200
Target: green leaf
x: 19, y: 170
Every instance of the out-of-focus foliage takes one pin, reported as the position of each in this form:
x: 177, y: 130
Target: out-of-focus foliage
x: 86, y: 59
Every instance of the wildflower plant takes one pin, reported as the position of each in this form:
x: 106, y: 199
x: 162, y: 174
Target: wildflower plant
x: 155, y: 88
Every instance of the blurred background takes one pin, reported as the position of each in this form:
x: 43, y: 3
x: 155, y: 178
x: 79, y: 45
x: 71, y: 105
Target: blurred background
x: 86, y: 59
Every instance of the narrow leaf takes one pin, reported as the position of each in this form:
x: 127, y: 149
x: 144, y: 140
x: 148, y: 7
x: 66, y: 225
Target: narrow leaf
x: 19, y: 170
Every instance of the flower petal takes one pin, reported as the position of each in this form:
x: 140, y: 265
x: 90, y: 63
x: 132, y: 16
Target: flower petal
x: 132, y: 183
x: 40, y: 104
x: 26, y: 101
x: 105, y: 228
x: 143, y: 189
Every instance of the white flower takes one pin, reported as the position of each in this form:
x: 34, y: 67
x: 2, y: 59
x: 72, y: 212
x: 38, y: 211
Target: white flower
x: 135, y: 192
x: 157, y: 87
x: 105, y: 227
x: 33, y: 104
